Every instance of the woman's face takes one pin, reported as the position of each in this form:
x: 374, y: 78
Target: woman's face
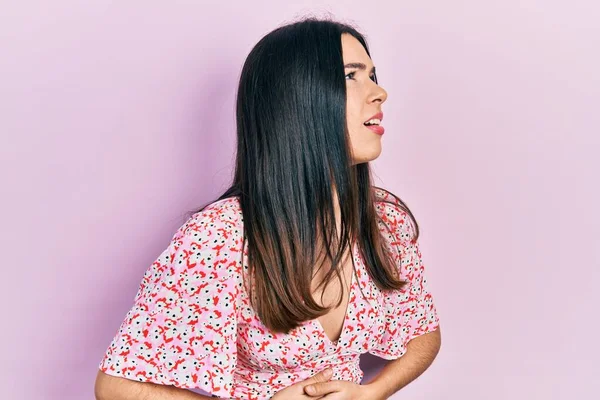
x: 363, y: 101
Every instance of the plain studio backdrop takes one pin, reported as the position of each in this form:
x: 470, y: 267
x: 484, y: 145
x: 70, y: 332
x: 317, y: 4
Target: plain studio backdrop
x: 118, y: 117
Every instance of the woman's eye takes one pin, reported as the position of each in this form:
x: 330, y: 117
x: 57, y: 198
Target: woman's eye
x: 351, y: 76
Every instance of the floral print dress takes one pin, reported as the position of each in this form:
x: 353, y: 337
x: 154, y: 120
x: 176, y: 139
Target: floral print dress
x: 191, y: 324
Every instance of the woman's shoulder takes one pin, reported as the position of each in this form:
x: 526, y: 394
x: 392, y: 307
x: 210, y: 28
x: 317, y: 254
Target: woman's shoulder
x: 209, y: 243
x: 392, y: 216
x: 384, y: 197
x: 223, y: 217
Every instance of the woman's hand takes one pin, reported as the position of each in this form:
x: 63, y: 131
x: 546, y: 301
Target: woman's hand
x: 339, y: 390
x: 296, y: 391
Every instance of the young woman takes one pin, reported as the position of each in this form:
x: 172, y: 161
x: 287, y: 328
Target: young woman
x: 243, y: 302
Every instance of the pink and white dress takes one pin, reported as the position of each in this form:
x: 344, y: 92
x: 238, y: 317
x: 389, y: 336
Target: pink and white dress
x: 191, y: 324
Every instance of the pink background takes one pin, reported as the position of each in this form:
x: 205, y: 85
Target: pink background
x: 118, y: 117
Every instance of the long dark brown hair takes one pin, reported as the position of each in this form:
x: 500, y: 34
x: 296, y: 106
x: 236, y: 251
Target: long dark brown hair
x: 293, y: 152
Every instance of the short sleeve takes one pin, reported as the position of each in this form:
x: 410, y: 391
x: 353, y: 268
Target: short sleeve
x: 409, y: 312
x: 182, y: 327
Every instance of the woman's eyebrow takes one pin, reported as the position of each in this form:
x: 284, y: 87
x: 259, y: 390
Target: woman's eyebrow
x: 360, y: 66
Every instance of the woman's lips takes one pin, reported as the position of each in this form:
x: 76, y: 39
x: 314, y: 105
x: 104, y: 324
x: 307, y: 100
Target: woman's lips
x: 376, y: 128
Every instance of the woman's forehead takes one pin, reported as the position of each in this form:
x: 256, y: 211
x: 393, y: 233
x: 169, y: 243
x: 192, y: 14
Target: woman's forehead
x: 353, y: 51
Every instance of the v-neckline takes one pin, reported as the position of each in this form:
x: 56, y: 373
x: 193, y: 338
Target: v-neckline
x: 316, y: 321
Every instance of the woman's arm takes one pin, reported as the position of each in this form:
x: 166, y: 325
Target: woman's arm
x: 420, y: 353
x: 110, y: 387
